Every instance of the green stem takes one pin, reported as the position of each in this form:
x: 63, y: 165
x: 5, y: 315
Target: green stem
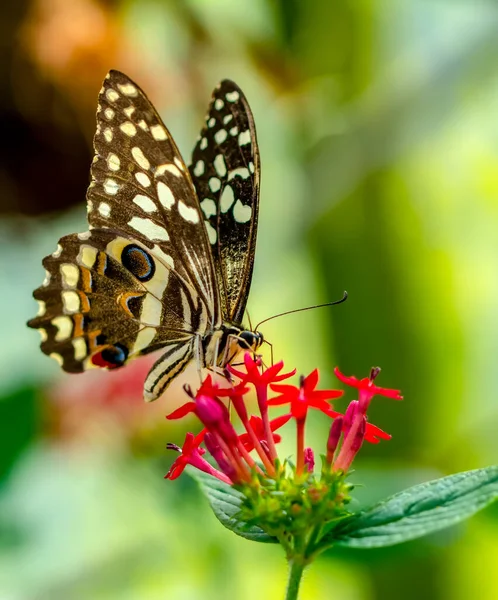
x: 296, y: 569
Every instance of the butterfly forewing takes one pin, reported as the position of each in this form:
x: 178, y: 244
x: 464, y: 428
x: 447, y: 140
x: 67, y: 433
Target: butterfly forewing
x: 225, y: 171
x: 140, y: 185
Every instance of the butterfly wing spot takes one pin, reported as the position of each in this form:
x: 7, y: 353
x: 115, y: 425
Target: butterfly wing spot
x: 251, y: 167
x: 149, y: 229
x: 56, y: 253
x: 42, y: 308
x: 145, y: 203
x: 128, y: 89
x: 227, y: 119
x: 241, y: 171
x: 111, y: 187
x: 112, y: 95
x: 234, y: 131
x: 139, y: 156
x: 165, y: 195
x: 108, y: 135
x: 43, y: 334
x: 144, y: 338
x: 46, y: 281
x: 71, y: 301
x: 199, y: 168
x: 214, y: 184
x: 232, y: 96
x: 211, y: 231
x: 138, y: 262
x: 208, y: 206
x: 211, y: 123
x: 179, y: 163
x: 241, y: 212
x: 84, y: 235
x: 219, y: 104
x: 64, y: 327
x: 219, y: 164
x: 203, y: 143
x: 143, y: 179
x: 109, y: 114
x: 227, y: 199
x: 143, y: 125
x: 87, y: 256
x: 220, y: 136
x: 104, y: 209
x: 128, y: 128
x: 244, y: 137
x: 189, y: 213
x: 80, y: 349
x: 113, y: 162
x: 158, y: 133
x: 70, y: 275
x: 163, y: 257
x: 58, y: 358
x: 161, y: 169
x: 129, y: 110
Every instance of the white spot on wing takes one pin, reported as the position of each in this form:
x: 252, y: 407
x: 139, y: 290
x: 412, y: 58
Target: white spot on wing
x: 113, y: 162
x: 227, y: 199
x: 143, y: 179
x: 145, y: 203
x: 71, y: 301
x: 87, y: 256
x: 129, y: 111
x: 112, y: 95
x: 234, y: 131
x: 158, y: 133
x: 165, y: 258
x: 128, y: 128
x: 109, y: 114
x: 251, y: 166
x: 161, y: 169
x: 199, y: 168
x: 211, y: 231
x: 57, y: 253
x: 220, y: 166
x: 241, y: 212
x: 232, y: 96
x: 211, y: 122
x: 108, y: 134
x: 165, y: 195
x: 220, y: 136
x: 241, y: 171
x: 204, y: 143
x: 244, y: 137
x: 58, y: 358
x: 188, y: 212
x: 111, y: 187
x: 208, y: 207
x: 64, y: 327
x: 149, y: 229
x: 42, y: 308
x: 219, y: 104
x: 127, y: 89
x: 179, y: 163
x: 139, y: 156
x: 143, y: 125
x: 214, y: 184
x: 84, y: 235
x: 70, y: 275
x: 227, y: 119
x: 79, y: 346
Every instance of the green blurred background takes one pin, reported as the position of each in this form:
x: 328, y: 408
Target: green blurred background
x: 378, y: 128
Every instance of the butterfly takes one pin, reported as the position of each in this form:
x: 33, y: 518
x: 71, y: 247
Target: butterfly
x: 168, y: 258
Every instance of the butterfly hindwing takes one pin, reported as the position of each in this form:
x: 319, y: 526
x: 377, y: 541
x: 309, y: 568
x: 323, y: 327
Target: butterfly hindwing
x: 225, y: 171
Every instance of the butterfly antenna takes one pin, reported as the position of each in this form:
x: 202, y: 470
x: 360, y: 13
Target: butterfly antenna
x: 249, y: 319
x: 290, y: 312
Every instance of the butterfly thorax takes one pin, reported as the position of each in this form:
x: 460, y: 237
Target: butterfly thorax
x: 223, y: 346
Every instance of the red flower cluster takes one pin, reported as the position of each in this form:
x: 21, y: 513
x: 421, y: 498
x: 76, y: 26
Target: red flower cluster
x: 231, y: 451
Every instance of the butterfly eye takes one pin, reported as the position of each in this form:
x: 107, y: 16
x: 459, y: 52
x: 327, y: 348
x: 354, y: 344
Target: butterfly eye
x: 247, y: 339
x: 111, y: 357
x: 138, y: 262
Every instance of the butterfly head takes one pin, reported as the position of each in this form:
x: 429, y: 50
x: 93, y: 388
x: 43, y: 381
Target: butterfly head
x: 250, y: 340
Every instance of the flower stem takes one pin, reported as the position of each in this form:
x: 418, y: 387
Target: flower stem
x: 296, y: 569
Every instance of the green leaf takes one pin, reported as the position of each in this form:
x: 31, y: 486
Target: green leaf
x: 418, y: 511
x: 226, y: 502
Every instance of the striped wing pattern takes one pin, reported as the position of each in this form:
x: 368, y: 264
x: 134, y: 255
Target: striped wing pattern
x: 225, y: 171
x: 147, y: 274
